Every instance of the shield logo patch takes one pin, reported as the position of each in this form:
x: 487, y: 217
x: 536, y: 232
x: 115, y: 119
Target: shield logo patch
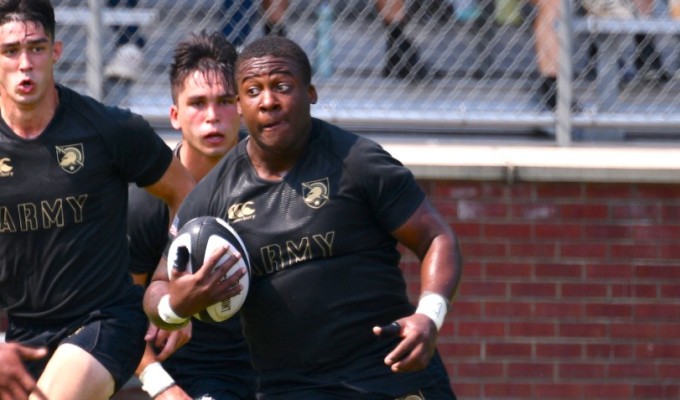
x: 315, y: 193
x: 71, y: 157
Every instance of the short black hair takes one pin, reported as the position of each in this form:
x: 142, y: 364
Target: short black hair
x: 37, y: 11
x: 280, y: 47
x: 209, y: 53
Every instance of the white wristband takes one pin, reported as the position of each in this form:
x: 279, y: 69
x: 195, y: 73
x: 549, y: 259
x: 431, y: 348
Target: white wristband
x: 167, y: 314
x: 155, y: 380
x: 435, y: 306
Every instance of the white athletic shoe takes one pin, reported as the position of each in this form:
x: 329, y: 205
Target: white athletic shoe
x: 127, y: 63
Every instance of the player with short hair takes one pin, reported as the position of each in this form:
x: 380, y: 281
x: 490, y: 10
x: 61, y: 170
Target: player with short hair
x: 64, y: 281
x: 215, y: 363
x: 326, y: 210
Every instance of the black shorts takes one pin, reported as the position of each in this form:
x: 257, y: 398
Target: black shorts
x: 431, y: 384
x: 217, y: 389
x: 113, y: 335
x: 340, y: 392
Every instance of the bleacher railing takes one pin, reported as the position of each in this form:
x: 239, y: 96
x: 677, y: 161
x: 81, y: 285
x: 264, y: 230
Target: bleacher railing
x: 477, y: 65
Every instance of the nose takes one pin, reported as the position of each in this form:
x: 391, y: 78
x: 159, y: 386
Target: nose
x: 211, y: 112
x: 25, y: 61
x: 269, y: 100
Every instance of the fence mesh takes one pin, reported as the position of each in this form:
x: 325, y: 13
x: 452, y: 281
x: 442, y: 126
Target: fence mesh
x: 449, y: 64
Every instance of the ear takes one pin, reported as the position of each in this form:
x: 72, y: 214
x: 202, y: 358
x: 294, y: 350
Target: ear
x: 174, y: 121
x: 238, y: 105
x: 57, y: 50
x: 313, y: 96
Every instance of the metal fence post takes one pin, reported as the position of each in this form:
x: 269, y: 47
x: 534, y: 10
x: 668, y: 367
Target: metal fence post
x: 94, y: 50
x: 564, y: 76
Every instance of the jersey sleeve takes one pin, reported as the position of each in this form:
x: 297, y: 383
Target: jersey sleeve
x: 390, y: 188
x: 139, y: 153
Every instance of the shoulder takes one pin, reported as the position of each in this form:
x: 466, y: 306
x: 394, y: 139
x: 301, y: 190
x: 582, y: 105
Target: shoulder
x: 338, y: 142
x: 102, y: 118
x: 351, y: 149
x: 210, y: 192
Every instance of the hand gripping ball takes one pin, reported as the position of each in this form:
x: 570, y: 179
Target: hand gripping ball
x: 201, y: 237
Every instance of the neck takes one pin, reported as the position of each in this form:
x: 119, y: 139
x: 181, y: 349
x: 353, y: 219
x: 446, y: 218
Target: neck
x: 274, y: 163
x: 29, y: 121
x: 271, y: 166
x: 196, y: 163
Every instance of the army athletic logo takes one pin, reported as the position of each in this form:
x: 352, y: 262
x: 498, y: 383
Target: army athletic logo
x: 6, y: 168
x: 241, y: 211
x: 71, y: 157
x: 315, y: 193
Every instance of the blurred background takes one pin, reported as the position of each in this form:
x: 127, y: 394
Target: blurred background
x: 404, y: 66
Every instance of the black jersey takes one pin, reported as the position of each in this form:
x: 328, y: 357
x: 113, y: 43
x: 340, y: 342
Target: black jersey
x: 217, y: 353
x: 63, y: 204
x: 325, y: 266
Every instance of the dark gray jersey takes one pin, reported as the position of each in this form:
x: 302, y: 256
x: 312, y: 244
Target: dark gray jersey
x: 324, y: 262
x: 63, y: 204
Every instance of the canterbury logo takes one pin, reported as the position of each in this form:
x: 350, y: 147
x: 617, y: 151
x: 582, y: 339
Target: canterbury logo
x: 315, y: 193
x: 241, y: 211
x: 71, y: 157
x: 6, y: 168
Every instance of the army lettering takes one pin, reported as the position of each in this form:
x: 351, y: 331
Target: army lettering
x: 46, y: 214
x: 276, y: 257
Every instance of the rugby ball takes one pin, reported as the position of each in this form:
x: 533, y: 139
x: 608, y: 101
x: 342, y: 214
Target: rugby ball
x: 201, y: 237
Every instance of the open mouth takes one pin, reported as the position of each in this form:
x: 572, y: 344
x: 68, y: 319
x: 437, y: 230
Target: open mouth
x: 214, y: 137
x: 26, y: 84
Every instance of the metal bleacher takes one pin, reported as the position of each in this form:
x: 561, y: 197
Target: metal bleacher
x: 450, y: 100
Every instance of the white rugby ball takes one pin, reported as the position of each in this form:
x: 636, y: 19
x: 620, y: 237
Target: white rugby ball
x: 202, y: 236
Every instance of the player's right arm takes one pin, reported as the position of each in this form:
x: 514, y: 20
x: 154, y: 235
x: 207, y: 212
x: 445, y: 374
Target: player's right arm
x: 15, y: 382
x: 188, y: 294
x: 155, y: 380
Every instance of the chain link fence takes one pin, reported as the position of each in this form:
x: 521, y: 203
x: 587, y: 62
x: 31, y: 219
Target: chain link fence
x: 449, y: 65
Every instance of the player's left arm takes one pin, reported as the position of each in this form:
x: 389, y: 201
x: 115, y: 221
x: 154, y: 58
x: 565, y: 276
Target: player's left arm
x: 428, y: 235
x: 173, y: 186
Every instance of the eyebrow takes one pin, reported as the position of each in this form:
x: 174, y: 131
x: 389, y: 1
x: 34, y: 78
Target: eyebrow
x: 30, y: 42
x: 201, y: 96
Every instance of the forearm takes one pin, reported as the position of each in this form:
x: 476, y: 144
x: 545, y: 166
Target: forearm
x: 152, y: 298
x: 441, y: 272
x: 442, y: 267
x: 149, y: 357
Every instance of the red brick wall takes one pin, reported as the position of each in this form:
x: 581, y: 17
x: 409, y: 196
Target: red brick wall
x: 570, y: 290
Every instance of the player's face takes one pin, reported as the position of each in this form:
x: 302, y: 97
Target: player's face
x: 206, y: 114
x: 275, y: 103
x: 27, y: 57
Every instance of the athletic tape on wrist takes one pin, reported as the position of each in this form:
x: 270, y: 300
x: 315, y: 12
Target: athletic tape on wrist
x: 435, y: 306
x: 167, y: 314
x: 155, y: 380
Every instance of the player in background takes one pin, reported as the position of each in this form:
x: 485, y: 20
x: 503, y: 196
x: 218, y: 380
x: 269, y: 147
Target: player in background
x: 64, y: 279
x: 215, y: 363
x: 326, y: 210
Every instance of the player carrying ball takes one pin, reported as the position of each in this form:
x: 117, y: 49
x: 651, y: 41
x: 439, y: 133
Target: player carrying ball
x: 325, y: 211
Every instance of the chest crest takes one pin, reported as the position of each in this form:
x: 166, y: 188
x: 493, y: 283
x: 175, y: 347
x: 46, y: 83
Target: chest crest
x: 315, y: 193
x: 71, y: 157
